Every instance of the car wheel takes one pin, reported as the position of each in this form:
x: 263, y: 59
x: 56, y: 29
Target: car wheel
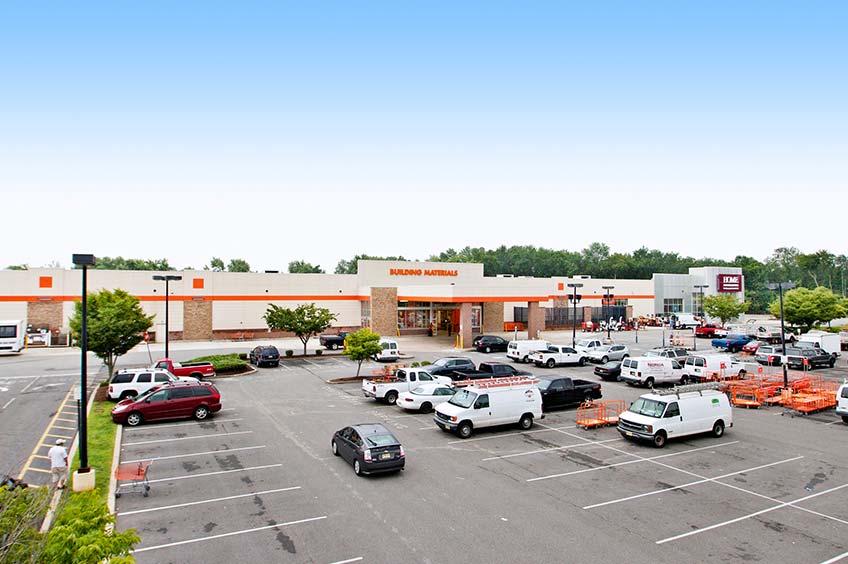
x: 127, y: 394
x: 582, y: 361
x: 718, y: 429
x: 488, y: 350
x: 684, y: 380
x: 426, y: 407
x: 659, y: 439
x: 649, y: 383
x: 625, y: 356
x: 335, y: 448
x: 604, y: 359
x: 333, y: 346
x: 525, y: 360
x: 391, y: 397
x: 357, y: 469
x: 832, y: 362
x: 526, y: 421
x: 587, y: 397
x: 845, y: 419
x: 135, y: 418
x: 464, y: 430
x: 201, y: 412
x: 551, y: 363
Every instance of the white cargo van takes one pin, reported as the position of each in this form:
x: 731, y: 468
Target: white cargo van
x: 686, y: 321
x: 650, y: 370
x: 390, y: 352
x: 678, y: 412
x: 490, y: 402
x: 842, y: 401
x: 700, y: 367
x: 829, y: 342
x: 522, y: 351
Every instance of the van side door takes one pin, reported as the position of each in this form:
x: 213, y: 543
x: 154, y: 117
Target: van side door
x: 482, y: 414
x: 672, y: 420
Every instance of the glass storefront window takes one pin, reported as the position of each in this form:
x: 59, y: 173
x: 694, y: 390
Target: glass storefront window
x: 672, y: 305
x: 414, y: 318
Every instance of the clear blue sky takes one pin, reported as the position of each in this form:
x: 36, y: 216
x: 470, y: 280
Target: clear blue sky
x: 275, y: 131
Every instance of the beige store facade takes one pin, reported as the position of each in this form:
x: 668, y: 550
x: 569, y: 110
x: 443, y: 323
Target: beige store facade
x: 391, y: 297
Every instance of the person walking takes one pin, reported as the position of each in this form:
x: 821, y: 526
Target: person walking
x: 58, y: 464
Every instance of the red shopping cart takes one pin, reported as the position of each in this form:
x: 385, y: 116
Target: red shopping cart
x: 134, y: 476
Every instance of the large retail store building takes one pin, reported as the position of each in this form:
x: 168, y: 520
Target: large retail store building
x: 390, y: 297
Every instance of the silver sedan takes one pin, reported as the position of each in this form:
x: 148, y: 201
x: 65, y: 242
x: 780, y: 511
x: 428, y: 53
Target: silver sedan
x: 606, y: 353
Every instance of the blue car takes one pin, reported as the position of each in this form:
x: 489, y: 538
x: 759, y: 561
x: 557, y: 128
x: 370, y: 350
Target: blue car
x: 732, y: 343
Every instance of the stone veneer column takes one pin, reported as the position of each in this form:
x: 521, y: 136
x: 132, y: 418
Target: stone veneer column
x: 493, y: 317
x: 465, y: 325
x: 535, y: 319
x: 197, y: 320
x: 384, y: 312
x: 45, y: 313
x: 587, y: 313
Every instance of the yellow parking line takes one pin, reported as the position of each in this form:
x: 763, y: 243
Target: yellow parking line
x: 63, y: 419
x: 56, y: 417
x: 41, y: 456
x: 74, y: 428
x: 37, y: 470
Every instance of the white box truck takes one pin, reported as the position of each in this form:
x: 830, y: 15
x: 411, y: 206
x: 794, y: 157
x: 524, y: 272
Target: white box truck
x: 829, y: 342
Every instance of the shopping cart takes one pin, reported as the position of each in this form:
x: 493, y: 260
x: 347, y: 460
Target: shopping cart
x: 134, y: 476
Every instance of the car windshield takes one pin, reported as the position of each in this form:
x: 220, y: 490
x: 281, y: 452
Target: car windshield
x: 381, y: 440
x: 441, y: 362
x: 463, y: 398
x: 144, y: 395
x: 543, y: 384
x: 649, y: 407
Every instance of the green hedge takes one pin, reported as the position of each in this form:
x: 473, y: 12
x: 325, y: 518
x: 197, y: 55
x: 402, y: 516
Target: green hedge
x: 224, y: 363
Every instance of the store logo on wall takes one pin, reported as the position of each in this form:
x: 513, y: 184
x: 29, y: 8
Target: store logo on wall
x: 729, y: 283
x: 422, y: 272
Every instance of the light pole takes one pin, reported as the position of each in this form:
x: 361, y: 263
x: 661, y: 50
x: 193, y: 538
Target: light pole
x: 609, y: 310
x: 84, y: 261
x: 575, y: 297
x: 167, y: 278
x: 779, y: 286
x: 700, y: 288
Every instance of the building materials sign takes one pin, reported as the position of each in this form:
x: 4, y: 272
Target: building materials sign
x: 422, y: 272
x: 729, y: 283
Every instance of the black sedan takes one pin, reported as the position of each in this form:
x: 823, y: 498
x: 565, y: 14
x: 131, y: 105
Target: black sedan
x: 370, y: 447
x: 265, y: 355
x: 609, y: 371
x: 489, y: 343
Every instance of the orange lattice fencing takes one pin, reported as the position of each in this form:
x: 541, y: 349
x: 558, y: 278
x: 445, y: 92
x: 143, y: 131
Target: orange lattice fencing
x: 599, y: 413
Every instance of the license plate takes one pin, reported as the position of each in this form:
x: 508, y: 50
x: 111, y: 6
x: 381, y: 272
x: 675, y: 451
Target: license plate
x: 385, y: 455
x: 443, y: 426
x: 628, y: 433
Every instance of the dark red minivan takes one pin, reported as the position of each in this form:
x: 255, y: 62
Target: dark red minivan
x: 169, y: 401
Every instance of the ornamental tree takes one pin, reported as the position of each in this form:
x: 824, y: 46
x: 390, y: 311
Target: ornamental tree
x: 805, y: 308
x: 305, y: 321
x: 116, y: 323
x: 724, y: 307
x: 361, y: 346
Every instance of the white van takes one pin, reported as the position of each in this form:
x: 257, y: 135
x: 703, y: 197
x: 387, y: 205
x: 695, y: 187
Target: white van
x: 842, y: 401
x: 686, y: 321
x: 390, y: 352
x: 678, y: 412
x: 700, y: 367
x: 650, y: 370
x: 495, y: 401
x: 522, y: 351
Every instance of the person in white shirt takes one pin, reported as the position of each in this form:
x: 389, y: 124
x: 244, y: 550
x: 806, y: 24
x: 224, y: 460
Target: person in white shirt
x: 58, y: 463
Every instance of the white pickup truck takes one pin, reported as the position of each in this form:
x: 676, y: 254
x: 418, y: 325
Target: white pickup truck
x: 404, y: 380
x: 559, y: 354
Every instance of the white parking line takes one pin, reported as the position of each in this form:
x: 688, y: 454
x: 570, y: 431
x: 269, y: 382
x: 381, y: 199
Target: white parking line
x: 756, y: 513
x: 625, y: 463
x: 186, y: 438
x: 836, y: 558
x: 690, y: 483
x: 550, y: 449
x: 214, y: 500
x: 212, y: 452
x: 41, y: 376
x: 34, y: 380
x: 347, y: 561
x: 8, y: 403
x: 186, y: 477
x: 201, y: 539
x: 545, y: 430
x: 183, y: 424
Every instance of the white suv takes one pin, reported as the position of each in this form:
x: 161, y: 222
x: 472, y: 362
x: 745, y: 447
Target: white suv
x: 842, y: 402
x: 132, y: 382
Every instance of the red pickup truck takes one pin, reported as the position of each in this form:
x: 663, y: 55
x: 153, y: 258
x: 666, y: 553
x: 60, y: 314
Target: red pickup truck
x: 710, y: 331
x: 197, y: 370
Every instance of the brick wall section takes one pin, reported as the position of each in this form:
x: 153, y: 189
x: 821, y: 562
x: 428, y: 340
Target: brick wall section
x: 465, y: 324
x: 384, y: 311
x: 493, y: 316
x: 40, y: 314
x: 197, y: 320
x: 535, y: 319
x: 587, y: 312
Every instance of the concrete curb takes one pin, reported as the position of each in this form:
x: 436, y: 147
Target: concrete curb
x: 113, y: 483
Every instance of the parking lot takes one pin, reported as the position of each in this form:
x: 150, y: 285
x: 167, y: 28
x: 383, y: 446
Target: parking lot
x: 258, y: 481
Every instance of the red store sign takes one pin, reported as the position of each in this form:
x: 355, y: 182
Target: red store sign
x: 729, y: 283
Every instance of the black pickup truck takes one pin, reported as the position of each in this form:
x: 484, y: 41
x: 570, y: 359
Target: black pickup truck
x: 558, y: 391
x: 489, y: 370
x: 332, y: 342
x: 807, y: 359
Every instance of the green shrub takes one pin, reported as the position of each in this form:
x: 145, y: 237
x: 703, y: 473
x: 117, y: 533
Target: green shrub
x: 289, y: 352
x: 242, y: 356
x: 319, y: 352
x: 224, y: 363
x: 426, y: 363
x: 415, y: 365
